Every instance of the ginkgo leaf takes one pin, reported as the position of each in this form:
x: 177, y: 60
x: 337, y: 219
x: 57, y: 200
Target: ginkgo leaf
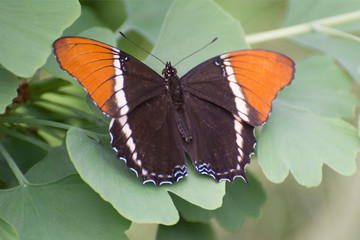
x: 186, y: 230
x: 7, y: 231
x: 211, y: 21
x: 145, y: 17
x: 98, y: 166
x: 341, y: 47
x: 305, y: 131
x: 54, y: 166
x: 58, y: 210
x: 28, y: 29
x: 240, y: 202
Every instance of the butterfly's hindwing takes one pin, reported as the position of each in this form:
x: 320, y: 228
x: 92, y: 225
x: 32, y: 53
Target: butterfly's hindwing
x: 148, y: 140
x: 221, y: 144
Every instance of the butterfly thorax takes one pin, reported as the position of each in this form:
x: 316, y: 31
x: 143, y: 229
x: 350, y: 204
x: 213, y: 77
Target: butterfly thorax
x: 173, y: 85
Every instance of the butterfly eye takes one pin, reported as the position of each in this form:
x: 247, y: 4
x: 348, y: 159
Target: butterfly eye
x: 163, y: 72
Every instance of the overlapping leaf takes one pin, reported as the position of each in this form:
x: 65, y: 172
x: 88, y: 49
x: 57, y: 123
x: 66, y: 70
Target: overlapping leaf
x: 339, y: 45
x: 198, y: 23
x: 58, y: 210
x: 256, y: 16
x: 28, y: 29
x: 240, y: 202
x: 7, y: 231
x: 145, y: 17
x: 186, y: 230
x: 54, y: 166
x: 96, y: 162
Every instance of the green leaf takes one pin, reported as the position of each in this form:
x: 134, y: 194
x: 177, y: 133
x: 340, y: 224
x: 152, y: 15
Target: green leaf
x: 128, y: 47
x: 87, y: 20
x: 29, y: 155
x: 343, y: 49
x: 28, y: 29
x: 300, y: 11
x: 54, y: 166
x: 97, y: 165
x: 38, y: 89
x: 7, y: 231
x: 256, y: 16
x: 321, y: 87
x: 111, y: 13
x: 240, y: 202
x: 101, y: 34
x: 7, y: 178
x: 199, y: 189
x: 66, y: 209
x: 144, y: 17
x: 301, y: 135
x: 211, y: 21
x: 185, y: 230
x: 96, y: 162
x: 9, y: 83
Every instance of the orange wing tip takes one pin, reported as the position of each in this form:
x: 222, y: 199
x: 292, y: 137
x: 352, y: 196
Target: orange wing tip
x: 96, y: 66
x: 256, y: 77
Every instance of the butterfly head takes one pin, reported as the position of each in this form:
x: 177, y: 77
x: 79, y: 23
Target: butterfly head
x: 169, y: 71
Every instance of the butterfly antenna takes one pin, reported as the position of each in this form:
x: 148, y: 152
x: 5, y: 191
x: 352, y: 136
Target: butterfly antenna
x: 122, y: 34
x: 196, y: 51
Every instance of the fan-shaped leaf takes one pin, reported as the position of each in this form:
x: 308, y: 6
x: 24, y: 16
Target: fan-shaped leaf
x: 28, y: 29
x: 342, y: 48
x: 305, y: 130
x: 58, y: 210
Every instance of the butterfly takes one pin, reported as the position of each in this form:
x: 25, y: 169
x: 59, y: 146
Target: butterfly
x: 209, y: 113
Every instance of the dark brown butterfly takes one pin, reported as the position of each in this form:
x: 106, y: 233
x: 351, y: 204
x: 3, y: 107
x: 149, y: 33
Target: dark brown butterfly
x: 209, y: 113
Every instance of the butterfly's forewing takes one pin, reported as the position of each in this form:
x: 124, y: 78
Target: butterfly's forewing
x: 143, y: 128
x: 243, y: 82
x: 116, y: 81
x: 225, y: 97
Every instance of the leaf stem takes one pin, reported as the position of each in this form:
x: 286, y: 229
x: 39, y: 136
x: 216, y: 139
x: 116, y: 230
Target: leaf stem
x: 335, y: 32
x: 302, y: 28
x: 79, y: 113
x: 35, y: 122
x: 23, y: 137
x: 18, y: 174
